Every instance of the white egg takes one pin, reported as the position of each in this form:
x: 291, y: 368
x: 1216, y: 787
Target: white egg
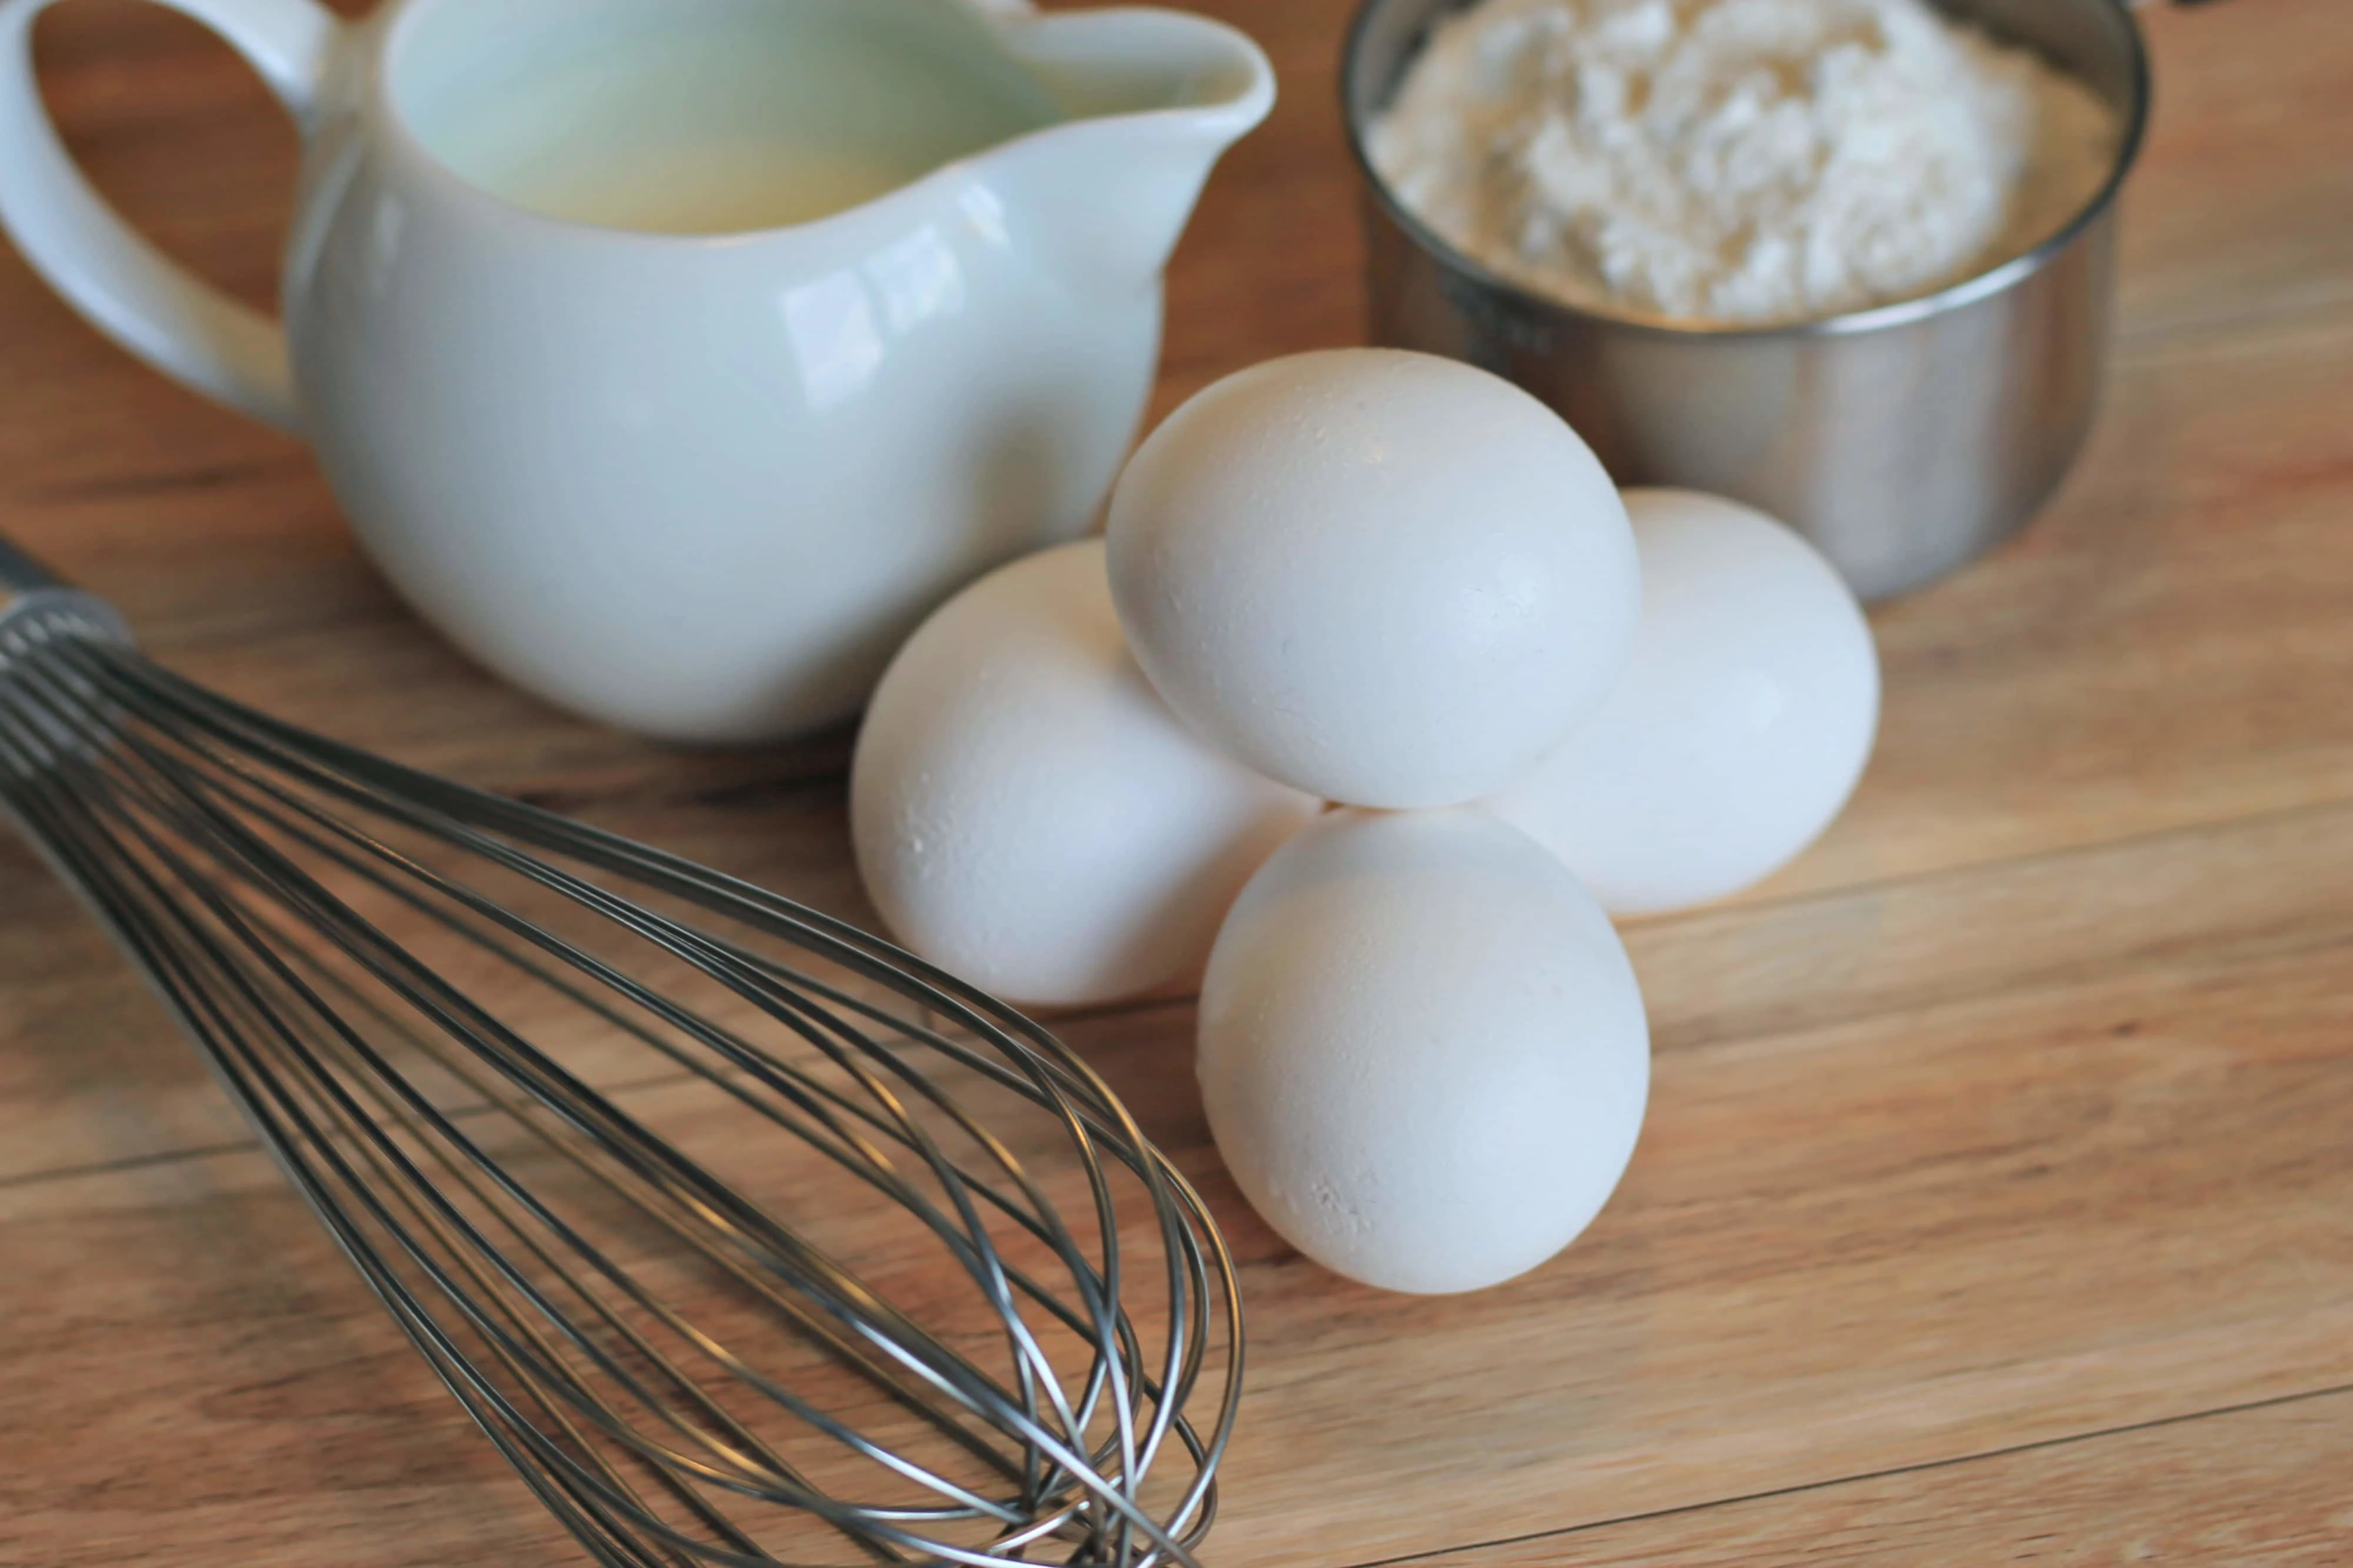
x: 1423, y: 1052
x: 1743, y: 724
x: 1027, y: 813
x: 1386, y: 578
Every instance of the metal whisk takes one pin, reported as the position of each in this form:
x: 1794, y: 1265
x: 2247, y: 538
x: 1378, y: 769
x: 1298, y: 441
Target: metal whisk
x: 407, y: 985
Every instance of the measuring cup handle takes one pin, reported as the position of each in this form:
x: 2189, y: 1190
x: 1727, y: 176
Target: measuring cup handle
x: 127, y: 287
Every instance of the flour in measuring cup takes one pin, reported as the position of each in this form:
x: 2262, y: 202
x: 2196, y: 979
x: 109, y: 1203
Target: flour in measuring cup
x: 1737, y: 162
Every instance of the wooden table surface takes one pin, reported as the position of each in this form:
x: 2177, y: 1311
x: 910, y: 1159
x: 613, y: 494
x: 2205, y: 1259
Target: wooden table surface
x: 1997, y: 1201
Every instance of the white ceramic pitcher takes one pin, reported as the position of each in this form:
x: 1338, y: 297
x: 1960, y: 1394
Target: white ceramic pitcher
x: 697, y: 485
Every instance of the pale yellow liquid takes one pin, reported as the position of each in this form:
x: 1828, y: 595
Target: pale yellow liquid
x: 724, y: 116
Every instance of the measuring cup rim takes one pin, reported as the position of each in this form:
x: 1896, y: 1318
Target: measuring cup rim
x: 1996, y: 279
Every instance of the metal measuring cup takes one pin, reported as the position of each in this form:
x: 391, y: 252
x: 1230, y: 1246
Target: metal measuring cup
x: 1905, y: 441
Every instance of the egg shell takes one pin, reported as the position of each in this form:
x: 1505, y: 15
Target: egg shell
x: 1026, y: 813
x: 1423, y: 1051
x: 1386, y: 578
x: 1743, y: 724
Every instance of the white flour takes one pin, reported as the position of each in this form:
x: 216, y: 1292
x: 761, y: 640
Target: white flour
x: 1743, y: 162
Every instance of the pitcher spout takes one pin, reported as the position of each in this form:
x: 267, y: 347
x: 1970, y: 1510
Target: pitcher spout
x: 1150, y: 101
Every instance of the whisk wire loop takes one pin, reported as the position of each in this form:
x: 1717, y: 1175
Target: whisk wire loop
x: 307, y: 910
x: 332, y: 917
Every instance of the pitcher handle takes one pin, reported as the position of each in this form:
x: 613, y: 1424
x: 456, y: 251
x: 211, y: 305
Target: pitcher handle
x: 121, y: 282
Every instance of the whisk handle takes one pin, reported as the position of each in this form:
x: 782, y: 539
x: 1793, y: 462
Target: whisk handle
x: 20, y: 575
x: 36, y: 603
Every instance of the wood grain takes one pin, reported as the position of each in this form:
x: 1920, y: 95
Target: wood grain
x: 1997, y: 1199
x: 2260, y: 1487
x: 2027, y: 1215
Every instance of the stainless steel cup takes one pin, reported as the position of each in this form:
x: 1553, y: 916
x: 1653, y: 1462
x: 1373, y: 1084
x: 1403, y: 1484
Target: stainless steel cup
x: 1905, y: 441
